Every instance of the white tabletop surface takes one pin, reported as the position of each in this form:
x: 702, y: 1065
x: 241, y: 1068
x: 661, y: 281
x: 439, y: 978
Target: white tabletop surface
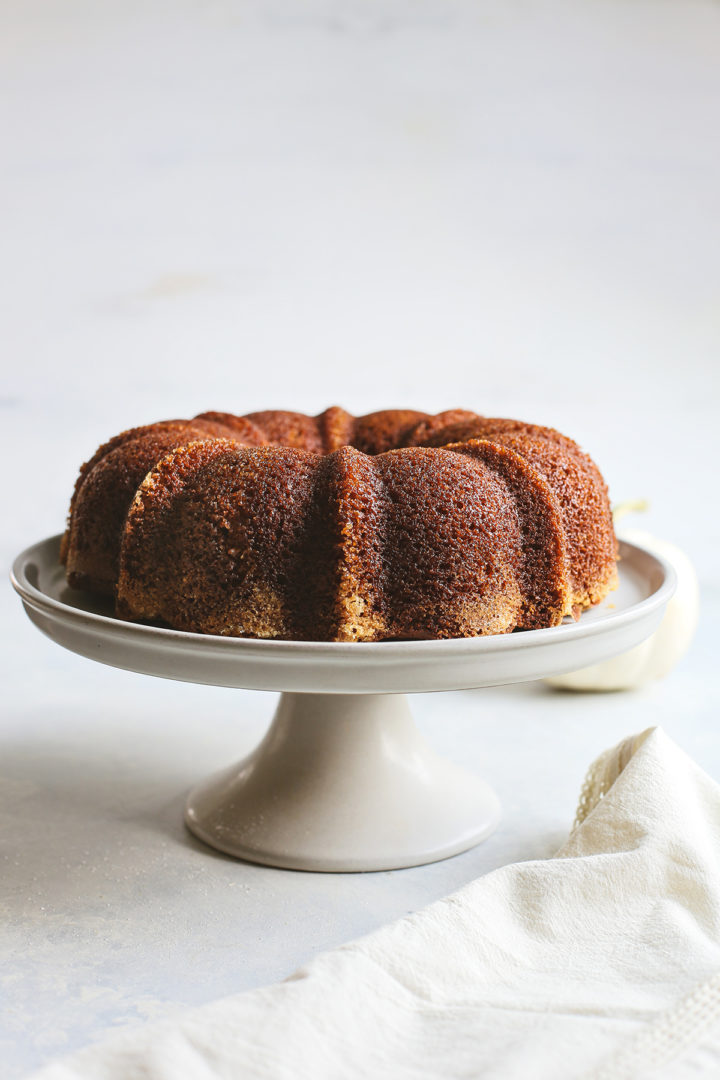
x: 510, y: 207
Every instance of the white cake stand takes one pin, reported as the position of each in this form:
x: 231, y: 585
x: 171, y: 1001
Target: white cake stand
x: 343, y: 781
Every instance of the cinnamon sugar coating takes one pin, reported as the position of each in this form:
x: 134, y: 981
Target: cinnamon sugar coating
x: 394, y: 525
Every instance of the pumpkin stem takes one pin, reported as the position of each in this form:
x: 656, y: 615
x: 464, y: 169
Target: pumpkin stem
x: 630, y: 506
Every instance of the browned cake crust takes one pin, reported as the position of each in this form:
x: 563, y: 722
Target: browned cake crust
x: 106, y: 486
x: 393, y: 525
x: 578, y: 486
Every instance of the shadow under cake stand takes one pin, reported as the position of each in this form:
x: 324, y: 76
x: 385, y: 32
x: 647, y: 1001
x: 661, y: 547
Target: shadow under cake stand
x: 343, y: 780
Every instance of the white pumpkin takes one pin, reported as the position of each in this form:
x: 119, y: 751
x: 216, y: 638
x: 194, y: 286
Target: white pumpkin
x: 660, y: 653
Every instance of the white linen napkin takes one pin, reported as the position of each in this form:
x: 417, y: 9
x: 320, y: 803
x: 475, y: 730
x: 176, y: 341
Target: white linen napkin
x: 601, y: 963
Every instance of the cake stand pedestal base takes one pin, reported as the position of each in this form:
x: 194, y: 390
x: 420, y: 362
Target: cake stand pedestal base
x: 343, y: 782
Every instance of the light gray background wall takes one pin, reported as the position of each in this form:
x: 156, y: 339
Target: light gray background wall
x: 507, y: 206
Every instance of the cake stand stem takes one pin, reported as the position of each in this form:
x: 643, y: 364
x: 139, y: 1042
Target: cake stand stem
x: 343, y: 782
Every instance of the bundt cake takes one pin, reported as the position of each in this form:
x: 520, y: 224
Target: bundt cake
x: 393, y: 525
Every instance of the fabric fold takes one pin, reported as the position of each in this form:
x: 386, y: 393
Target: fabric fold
x: 557, y: 968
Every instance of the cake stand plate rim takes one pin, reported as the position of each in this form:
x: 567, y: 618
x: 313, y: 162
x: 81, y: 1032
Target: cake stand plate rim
x: 53, y: 615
